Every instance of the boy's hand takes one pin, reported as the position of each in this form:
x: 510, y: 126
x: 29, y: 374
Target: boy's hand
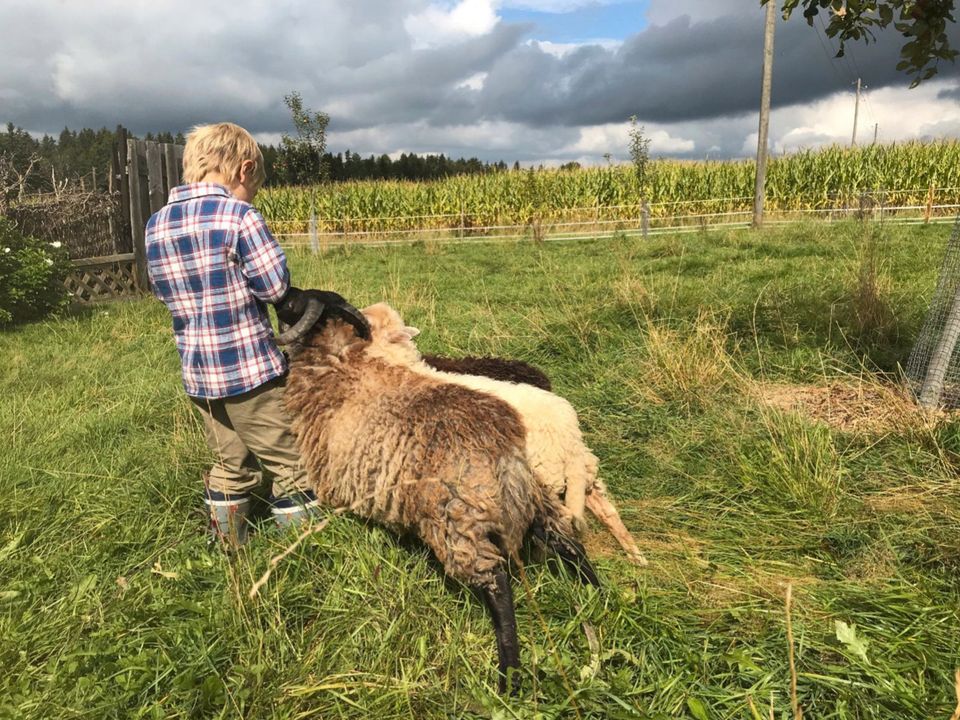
x: 291, y: 307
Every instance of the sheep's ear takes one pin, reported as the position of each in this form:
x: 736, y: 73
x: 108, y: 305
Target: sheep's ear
x: 411, y: 332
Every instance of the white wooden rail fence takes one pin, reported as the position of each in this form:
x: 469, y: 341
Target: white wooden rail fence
x: 630, y: 221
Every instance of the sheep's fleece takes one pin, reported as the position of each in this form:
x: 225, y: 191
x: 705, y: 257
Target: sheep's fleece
x: 556, y: 451
x: 415, y: 452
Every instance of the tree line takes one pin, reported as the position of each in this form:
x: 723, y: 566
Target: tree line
x: 82, y: 157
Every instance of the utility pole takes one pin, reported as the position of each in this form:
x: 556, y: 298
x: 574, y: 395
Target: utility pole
x: 856, y: 114
x: 758, y: 197
x: 876, y: 129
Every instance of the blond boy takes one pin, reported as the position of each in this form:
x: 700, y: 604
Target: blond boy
x: 214, y: 263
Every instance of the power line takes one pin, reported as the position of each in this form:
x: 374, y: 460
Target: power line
x: 852, y: 71
x: 852, y: 75
x: 830, y: 58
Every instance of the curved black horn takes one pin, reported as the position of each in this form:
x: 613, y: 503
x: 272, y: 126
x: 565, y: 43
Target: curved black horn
x: 353, y: 316
x: 309, y: 318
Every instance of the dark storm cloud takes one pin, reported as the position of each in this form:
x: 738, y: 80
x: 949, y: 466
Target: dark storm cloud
x: 115, y: 62
x: 680, y: 71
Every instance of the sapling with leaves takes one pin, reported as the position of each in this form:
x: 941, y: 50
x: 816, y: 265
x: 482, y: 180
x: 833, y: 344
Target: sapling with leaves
x: 640, y: 155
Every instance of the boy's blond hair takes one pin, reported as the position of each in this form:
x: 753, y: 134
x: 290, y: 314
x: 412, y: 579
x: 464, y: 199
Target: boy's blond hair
x: 221, y: 148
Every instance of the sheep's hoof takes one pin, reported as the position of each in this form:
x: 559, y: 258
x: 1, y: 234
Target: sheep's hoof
x: 509, y: 683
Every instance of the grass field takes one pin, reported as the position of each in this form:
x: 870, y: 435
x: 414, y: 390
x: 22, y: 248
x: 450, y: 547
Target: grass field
x: 735, y: 388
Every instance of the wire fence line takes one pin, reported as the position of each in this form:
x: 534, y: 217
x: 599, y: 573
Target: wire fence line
x: 596, y: 222
x: 933, y: 369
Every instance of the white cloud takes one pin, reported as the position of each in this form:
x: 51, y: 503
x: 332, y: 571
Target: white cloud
x: 598, y: 140
x: 444, y: 23
x: 474, y: 82
x: 830, y: 120
x: 560, y: 50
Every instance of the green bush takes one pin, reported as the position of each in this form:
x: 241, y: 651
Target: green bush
x: 31, y: 276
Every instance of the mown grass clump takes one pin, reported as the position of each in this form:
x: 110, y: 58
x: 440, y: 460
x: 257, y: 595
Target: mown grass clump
x: 677, y: 353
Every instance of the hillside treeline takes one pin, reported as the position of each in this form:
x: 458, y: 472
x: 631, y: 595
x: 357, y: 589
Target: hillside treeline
x: 84, y: 156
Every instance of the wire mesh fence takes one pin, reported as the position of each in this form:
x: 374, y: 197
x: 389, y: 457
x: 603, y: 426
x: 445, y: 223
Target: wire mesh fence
x: 933, y: 369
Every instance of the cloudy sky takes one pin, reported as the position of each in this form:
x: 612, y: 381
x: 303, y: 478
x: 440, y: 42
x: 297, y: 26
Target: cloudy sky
x: 535, y: 80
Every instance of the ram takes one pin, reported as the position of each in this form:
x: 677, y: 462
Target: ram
x: 556, y: 451
x: 418, y: 454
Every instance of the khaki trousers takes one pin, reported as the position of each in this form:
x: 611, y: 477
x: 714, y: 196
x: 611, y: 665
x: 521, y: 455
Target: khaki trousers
x: 252, y: 424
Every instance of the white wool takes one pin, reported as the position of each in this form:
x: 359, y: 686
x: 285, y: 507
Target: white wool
x: 556, y: 451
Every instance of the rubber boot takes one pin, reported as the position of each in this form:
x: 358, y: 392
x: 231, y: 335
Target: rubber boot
x: 228, y: 519
x: 295, y: 509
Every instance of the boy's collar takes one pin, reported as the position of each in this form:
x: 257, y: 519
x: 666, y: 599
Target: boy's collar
x: 197, y: 190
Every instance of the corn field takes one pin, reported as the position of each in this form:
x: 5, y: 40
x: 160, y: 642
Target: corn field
x: 808, y: 180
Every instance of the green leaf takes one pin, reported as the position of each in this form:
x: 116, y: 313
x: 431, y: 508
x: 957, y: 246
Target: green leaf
x: 697, y: 708
x: 847, y: 634
x: 8, y: 549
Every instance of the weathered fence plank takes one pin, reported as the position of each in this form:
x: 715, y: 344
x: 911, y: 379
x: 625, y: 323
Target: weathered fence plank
x: 171, y: 168
x: 125, y: 240
x: 142, y: 173
x: 155, y: 176
x: 137, y: 218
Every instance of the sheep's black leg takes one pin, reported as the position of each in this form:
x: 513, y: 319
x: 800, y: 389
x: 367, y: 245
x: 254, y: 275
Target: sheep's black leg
x: 500, y: 602
x: 570, y: 551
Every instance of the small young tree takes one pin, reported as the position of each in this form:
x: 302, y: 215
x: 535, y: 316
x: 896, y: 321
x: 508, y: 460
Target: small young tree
x: 640, y: 154
x: 300, y: 160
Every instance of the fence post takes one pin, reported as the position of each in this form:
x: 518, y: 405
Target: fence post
x: 929, y: 209
x: 119, y: 161
x: 114, y: 230
x: 463, y: 221
x: 137, y: 219
x: 645, y: 218
x: 314, y: 241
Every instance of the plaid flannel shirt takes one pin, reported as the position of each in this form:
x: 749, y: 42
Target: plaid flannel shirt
x: 214, y: 263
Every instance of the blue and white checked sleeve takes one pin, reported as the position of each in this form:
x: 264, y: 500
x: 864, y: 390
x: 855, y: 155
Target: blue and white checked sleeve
x: 262, y: 261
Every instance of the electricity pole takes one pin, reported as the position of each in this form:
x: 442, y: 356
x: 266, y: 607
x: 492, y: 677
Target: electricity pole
x: 856, y: 114
x: 758, y: 197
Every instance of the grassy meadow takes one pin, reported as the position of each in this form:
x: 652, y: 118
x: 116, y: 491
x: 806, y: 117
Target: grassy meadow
x: 739, y: 391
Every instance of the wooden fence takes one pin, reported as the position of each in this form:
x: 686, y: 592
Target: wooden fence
x: 142, y: 172
x: 606, y: 221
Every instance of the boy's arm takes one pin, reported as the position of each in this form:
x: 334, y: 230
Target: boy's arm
x: 262, y: 260
x: 265, y: 266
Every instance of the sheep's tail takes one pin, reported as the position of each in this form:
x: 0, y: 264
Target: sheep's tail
x: 554, y: 528
x: 599, y: 503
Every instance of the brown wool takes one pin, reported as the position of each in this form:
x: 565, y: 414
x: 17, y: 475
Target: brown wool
x: 415, y: 453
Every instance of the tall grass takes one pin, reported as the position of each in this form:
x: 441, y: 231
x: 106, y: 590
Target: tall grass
x: 827, y: 178
x: 111, y: 606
